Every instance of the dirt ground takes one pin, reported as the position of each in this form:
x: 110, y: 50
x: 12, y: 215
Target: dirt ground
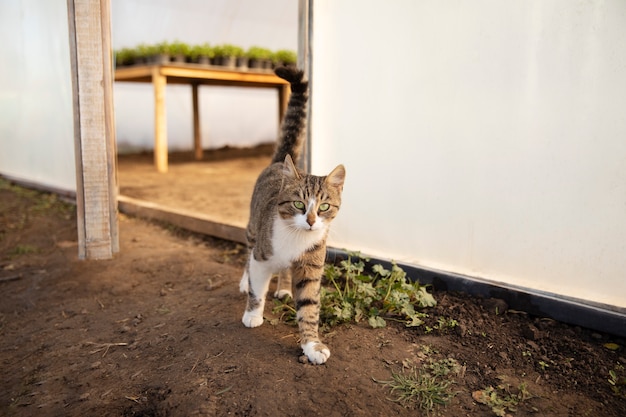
x: 156, y: 331
x: 219, y: 186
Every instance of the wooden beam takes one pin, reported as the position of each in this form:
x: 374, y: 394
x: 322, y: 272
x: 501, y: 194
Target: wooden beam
x: 197, y: 136
x: 305, y: 11
x: 92, y: 74
x: 190, y: 73
x: 160, y: 120
x: 185, y: 219
x: 109, y: 114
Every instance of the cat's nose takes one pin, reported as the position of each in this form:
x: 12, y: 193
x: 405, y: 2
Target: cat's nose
x: 310, y: 220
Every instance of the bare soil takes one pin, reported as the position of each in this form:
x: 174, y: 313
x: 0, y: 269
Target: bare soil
x: 220, y: 185
x: 156, y: 331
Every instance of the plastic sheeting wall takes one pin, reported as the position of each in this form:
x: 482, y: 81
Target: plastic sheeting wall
x: 36, y: 117
x: 484, y: 138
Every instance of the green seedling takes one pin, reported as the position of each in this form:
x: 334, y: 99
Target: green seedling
x: 617, y: 381
x: 424, y: 388
x: 501, y: 400
x: 355, y: 296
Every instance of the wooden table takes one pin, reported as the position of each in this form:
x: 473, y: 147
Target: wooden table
x: 194, y: 75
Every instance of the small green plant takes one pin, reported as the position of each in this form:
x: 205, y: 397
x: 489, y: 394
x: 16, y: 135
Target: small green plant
x: 443, y: 324
x: 145, y: 51
x: 356, y: 296
x: 444, y: 367
x: 228, y: 50
x: 257, y: 52
x: 501, y: 399
x: 426, y: 387
x: 204, y: 49
x: 617, y: 380
x: 384, y: 294
x: 285, y: 57
x: 23, y: 250
x: 179, y: 48
x: 283, y: 307
x: 125, y: 56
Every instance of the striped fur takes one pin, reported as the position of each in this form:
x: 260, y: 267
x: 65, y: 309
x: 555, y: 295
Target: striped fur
x: 290, y: 214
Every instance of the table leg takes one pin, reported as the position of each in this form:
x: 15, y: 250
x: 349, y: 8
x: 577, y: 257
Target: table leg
x: 159, y: 82
x: 197, y: 138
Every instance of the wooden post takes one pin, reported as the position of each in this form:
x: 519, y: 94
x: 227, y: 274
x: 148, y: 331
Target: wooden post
x: 160, y: 121
x: 96, y: 199
x: 305, y: 10
x: 197, y: 138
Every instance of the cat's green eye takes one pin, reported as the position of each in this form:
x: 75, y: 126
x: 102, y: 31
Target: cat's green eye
x: 324, y: 207
x: 299, y: 205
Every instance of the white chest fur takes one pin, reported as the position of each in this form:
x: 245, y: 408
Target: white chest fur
x: 289, y: 242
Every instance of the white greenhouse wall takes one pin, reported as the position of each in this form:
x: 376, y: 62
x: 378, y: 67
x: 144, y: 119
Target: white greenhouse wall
x: 483, y: 138
x: 36, y: 116
x: 228, y: 116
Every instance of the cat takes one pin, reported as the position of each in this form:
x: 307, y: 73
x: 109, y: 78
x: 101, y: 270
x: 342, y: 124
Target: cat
x: 290, y: 213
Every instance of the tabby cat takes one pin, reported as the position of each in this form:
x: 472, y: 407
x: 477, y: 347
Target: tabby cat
x: 289, y: 217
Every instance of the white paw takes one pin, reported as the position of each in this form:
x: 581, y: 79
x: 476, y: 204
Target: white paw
x: 251, y: 319
x: 282, y: 294
x: 243, y: 284
x: 317, y: 352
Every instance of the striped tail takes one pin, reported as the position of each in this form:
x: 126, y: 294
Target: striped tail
x: 292, y: 129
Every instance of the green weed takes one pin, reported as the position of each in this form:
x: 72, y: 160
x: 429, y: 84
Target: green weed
x: 22, y: 250
x: 501, y: 399
x: 443, y: 325
x: 43, y: 202
x: 283, y: 307
x: 354, y: 295
x: 424, y: 388
x: 381, y: 295
x: 617, y: 380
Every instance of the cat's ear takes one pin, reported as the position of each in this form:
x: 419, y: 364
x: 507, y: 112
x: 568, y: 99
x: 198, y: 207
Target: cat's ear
x: 337, y: 177
x: 289, y: 169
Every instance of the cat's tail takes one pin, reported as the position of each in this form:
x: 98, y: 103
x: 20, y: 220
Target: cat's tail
x: 292, y: 129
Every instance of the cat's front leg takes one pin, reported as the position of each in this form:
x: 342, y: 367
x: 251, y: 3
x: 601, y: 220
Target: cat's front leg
x: 317, y: 352
x: 307, y: 276
x: 258, y: 280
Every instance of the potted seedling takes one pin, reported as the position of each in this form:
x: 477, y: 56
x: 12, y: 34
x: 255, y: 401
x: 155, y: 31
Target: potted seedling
x: 201, y: 54
x: 242, y: 60
x: 161, y: 53
x: 124, y: 57
x: 226, y: 55
x: 259, y: 58
x: 179, y: 51
x: 143, y: 54
x: 284, y: 57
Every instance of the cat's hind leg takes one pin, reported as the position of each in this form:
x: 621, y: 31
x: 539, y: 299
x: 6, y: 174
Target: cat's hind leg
x: 244, y: 284
x: 283, y: 284
x: 259, y: 276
